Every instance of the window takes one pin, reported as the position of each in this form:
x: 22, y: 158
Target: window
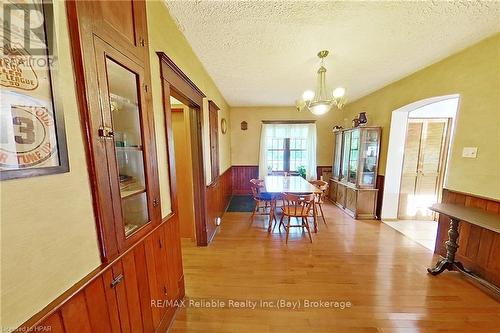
x: 286, y: 154
x: 286, y: 147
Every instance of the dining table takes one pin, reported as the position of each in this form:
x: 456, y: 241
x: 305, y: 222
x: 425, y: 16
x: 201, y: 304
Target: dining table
x: 276, y: 185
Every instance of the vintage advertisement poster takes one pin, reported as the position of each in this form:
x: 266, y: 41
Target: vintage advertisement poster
x: 28, y: 122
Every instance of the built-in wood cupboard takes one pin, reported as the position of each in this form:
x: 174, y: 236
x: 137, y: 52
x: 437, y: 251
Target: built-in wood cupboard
x: 141, y: 267
x: 354, y: 171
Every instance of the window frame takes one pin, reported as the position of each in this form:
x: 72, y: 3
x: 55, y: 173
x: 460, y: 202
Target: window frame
x: 286, y: 153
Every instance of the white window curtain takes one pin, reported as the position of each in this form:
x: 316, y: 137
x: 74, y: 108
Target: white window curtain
x: 292, y: 131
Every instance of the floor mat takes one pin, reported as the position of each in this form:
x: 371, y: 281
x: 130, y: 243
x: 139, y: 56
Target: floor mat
x: 241, y: 203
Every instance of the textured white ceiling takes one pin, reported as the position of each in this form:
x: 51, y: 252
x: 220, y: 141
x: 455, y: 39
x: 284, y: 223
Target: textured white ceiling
x: 264, y: 52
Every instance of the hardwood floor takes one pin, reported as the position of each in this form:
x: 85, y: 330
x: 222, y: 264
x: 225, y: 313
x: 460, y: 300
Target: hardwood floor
x: 380, y: 271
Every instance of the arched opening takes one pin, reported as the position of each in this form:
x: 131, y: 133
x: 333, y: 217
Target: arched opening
x: 420, y: 138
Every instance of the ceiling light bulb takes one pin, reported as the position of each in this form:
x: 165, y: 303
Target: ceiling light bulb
x: 338, y: 92
x: 308, y: 95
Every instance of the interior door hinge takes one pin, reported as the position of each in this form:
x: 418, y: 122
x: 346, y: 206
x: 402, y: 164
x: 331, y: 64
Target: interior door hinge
x: 146, y: 87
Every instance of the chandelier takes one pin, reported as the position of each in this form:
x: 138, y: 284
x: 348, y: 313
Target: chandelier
x: 320, y: 102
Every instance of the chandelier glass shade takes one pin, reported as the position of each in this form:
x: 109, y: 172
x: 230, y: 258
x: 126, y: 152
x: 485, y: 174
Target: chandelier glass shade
x: 321, y: 101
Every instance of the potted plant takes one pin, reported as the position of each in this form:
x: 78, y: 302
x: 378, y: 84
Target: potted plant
x: 302, y: 171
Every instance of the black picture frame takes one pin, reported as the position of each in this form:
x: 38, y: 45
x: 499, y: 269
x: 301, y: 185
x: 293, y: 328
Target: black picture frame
x: 60, y: 131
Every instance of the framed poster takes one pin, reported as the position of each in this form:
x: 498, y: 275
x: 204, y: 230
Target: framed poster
x: 32, y: 135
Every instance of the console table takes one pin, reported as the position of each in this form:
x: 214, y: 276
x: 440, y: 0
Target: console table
x: 475, y: 216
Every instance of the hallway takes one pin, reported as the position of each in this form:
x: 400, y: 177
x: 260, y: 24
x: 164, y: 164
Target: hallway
x: 374, y: 267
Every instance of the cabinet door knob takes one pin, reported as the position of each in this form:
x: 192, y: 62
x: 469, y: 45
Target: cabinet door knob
x: 117, y: 280
x: 105, y: 132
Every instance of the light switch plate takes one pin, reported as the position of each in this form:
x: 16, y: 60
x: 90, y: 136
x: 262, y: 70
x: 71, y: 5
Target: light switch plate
x: 469, y: 152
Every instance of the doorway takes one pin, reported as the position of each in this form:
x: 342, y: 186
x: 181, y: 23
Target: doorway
x: 417, y: 169
x: 425, y: 155
x: 179, y: 88
x: 183, y: 167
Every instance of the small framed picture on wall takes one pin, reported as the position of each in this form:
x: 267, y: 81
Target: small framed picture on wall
x: 32, y: 135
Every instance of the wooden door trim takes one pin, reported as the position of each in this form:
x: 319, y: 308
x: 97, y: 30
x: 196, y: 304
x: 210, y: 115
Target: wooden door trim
x: 214, y: 140
x: 178, y: 84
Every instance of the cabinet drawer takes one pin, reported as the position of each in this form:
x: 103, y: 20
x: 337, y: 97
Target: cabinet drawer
x: 350, y: 200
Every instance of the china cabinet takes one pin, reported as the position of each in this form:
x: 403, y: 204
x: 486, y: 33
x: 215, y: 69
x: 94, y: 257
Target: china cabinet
x: 355, y: 166
x: 125, y: 132
x: 140, y: 248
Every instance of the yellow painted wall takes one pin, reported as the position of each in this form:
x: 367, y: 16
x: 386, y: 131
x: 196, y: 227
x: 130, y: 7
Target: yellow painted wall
x: 474, y: 73
x: 49, y: 240
x: 184, y: 171
x: 165, y: 37
x: 245, y: 144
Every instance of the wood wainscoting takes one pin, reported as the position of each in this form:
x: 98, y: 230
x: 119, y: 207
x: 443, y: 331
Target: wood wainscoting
x: 240, y: 177
x: 479, y: 248
x: 130, y: 294
x: 218, y: 195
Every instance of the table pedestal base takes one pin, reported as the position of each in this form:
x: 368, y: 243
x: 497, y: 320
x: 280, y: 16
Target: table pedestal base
x: 445, y: 264
x: 450, y: 264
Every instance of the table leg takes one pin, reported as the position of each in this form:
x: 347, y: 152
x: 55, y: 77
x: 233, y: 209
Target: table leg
x: 272, y: 215
x: 451, y: 249
x: 315, y: 215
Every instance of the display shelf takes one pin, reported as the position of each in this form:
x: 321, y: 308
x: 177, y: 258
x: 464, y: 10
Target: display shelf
x: 130, y: 193
x: 130, y: 229
x: 128, y: 148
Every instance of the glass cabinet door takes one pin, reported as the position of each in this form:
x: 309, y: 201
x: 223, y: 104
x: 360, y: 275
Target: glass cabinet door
x: 337, y: 155
x: 369, y: 157
x: 345, y: 155
x: 124, y: 101
x: 354, y: 157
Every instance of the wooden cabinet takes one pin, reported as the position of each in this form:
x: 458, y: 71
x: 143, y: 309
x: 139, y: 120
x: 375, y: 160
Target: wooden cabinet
x: 350, y: 200
x: 123, y: 24
x: 332, y: 191
x: 337, y: 151
x: 340, y: 199
x: 360, y: 203
x: 354, y: 171
x: 136, y: 293
x: 128, y: 158
x: 141, y: 254
x: 114, y: 88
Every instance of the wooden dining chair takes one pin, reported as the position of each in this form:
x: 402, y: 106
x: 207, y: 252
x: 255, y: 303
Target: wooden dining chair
x: 320, y: 197
x: 299, y: 207
x: 262, y: 200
